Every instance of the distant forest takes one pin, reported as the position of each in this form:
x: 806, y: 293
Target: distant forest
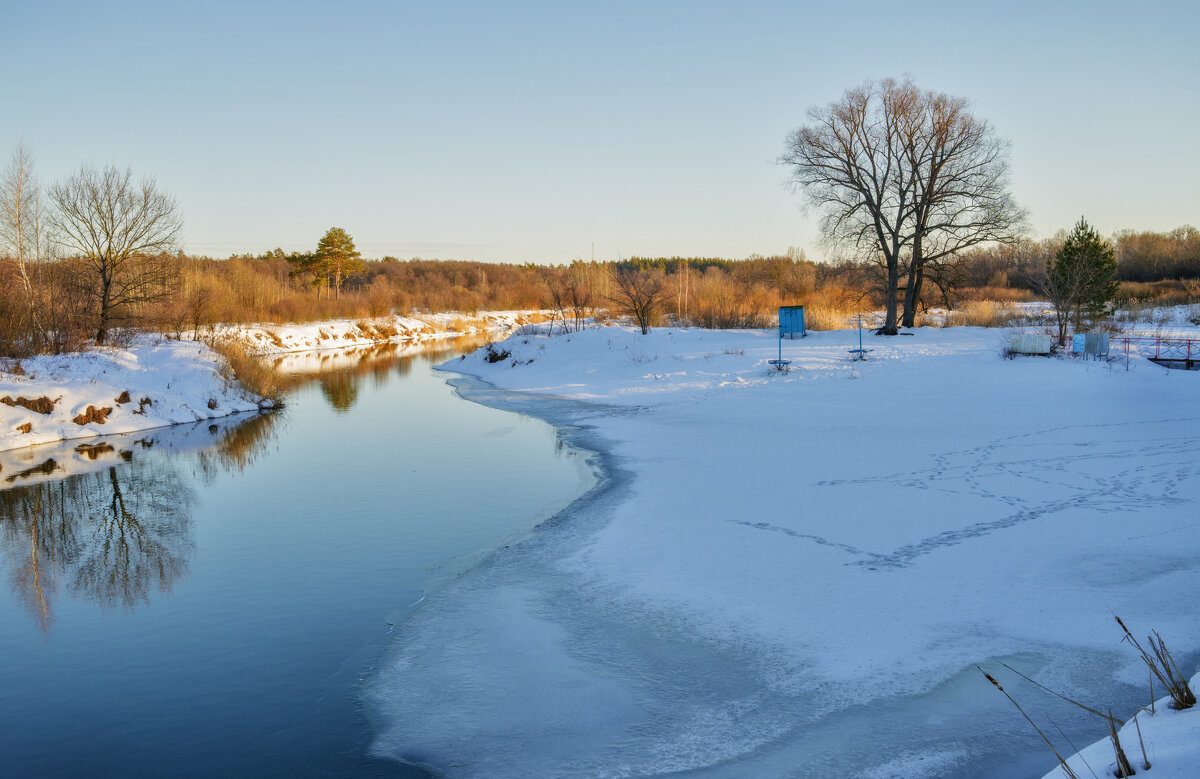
x: 1154, y: 269
x: 708, y: 291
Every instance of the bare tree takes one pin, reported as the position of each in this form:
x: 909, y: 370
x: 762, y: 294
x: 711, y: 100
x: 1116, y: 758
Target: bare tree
x: 123, y: 233
x: 902, y: 177
x: 571, y: 297
x: 849, y: 163
x: 960, y: 198
x: 639, y: 293
x: 21, y: 229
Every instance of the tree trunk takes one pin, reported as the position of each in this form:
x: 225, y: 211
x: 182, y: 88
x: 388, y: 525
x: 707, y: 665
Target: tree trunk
x: 889, y: 323
x: 912, y: 296
x: 105, y: 310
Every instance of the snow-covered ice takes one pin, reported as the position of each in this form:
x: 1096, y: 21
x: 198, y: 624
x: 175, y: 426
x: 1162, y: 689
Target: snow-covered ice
x: 796, y: 573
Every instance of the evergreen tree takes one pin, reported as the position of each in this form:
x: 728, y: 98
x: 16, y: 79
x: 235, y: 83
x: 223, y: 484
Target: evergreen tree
x: 1081, y: 278
x: 337, y: 257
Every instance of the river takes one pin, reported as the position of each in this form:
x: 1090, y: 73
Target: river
x: 208, y: 600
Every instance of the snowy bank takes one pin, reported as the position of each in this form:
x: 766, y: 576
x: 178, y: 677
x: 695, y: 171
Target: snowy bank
x: 799, y: 571
x: 154, y: 382
x: 343, y: 333
x: 1172, y: 740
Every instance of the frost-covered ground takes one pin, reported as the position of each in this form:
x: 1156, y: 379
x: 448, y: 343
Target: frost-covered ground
x: 152, y: 383
x: 795, y: 574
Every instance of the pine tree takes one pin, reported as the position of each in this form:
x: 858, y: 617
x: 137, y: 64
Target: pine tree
x: 1081, y: 278
x: 338, y: 258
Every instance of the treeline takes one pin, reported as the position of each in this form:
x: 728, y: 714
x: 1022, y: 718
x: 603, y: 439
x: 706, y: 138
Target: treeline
x: 198, y: 292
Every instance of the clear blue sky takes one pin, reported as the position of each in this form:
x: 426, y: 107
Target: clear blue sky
x: 526, y: 131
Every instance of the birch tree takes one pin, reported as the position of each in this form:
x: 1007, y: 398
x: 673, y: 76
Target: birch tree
x: 21, y: 229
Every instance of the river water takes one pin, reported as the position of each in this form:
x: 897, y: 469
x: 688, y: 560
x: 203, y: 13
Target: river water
x: 207, y: 600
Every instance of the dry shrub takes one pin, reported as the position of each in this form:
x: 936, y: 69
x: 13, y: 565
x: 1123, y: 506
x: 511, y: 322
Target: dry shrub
x: 239, y: 365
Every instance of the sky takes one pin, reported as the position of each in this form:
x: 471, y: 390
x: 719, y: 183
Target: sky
x: 535, y: 131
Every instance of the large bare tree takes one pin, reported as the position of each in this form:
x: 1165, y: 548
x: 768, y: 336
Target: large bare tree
x: 902, y: 177
x: 123, y: 233
x: 959, y: 170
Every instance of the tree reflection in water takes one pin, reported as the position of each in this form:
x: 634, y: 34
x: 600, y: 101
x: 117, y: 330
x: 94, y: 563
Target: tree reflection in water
x: 117, y: 534
x: 340, y: 373
x: 110, y: 536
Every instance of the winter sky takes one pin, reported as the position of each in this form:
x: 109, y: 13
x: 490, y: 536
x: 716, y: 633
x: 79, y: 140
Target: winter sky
x: 527, y: 131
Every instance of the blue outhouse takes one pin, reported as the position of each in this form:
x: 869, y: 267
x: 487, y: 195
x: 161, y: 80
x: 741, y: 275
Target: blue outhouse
x: 791, y: 321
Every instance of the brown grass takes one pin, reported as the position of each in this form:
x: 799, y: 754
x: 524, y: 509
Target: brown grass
x: 42, y: 405
x: 985, y: 313
x: 93, y: 415
x: 1162, y: 666
x: 240, y: 366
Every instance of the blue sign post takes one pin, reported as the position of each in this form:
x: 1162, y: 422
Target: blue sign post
x: 791, y: 324
x: 860, y: 353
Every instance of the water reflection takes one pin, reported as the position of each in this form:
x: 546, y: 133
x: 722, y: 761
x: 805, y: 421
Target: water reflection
x: 340, y: 372
x: 109, y: 537
x: 109, y: 521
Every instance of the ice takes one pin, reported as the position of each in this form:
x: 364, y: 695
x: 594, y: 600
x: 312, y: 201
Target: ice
x: 797, y: 574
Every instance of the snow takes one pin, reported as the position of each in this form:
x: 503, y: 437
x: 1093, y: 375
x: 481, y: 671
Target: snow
x: 1172, y: 740
x: 179, y: 377
x: 53, y: 462
x: 343, y: 333
x: 773, y: 552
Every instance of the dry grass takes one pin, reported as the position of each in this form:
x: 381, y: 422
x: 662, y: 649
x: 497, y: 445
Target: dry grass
x: 986, y: 313
x: 239, y: 365
x: 42, y: 405
x: 1162, y: 666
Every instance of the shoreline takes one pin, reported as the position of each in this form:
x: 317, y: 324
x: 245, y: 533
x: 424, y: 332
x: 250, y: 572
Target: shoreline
x: 154, y: 382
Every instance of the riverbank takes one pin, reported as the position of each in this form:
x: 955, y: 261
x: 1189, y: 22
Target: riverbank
x: 1171, y: 739
x: 343, y: 333
x: 157, y: 381
x: 151, y: 383
x: 831, y: 549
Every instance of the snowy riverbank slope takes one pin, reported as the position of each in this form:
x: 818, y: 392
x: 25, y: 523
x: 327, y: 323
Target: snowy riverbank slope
x: 154, y: 382
x: 870, y: 531
x: 1172, y: 740
x: 342, y: 333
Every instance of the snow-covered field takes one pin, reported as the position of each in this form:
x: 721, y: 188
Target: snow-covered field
x: 152, y: 383
x: 796, y: 573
